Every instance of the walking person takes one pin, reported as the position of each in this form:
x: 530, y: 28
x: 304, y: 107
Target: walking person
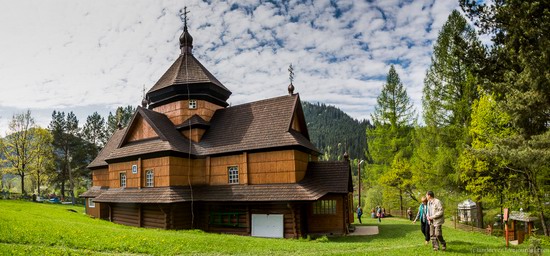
x: 359, y: 213
x: 379, y: 213
x: 410, y: 213
x: 422, y: 216
x: 436, y: 219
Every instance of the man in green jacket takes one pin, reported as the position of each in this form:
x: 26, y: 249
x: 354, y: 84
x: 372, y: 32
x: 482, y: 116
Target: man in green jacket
x: 436, y: 220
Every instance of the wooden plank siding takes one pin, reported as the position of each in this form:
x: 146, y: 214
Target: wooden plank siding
x: 140, y: 130
x: 100, y: 177
x: 179, y: 111
x: 284, y: 166
x: 195, y: 134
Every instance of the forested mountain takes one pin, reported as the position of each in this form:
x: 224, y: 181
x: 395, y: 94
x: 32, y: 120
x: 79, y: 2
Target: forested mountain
x: 333, y: 131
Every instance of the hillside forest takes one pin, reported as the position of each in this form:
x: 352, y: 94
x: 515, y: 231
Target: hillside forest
x: 482, y: 133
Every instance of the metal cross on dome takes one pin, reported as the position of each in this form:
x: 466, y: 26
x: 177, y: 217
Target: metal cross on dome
x: 185, y: 12
x: 291, y: 73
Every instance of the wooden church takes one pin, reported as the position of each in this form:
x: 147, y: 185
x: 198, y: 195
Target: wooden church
x: 187, y: 160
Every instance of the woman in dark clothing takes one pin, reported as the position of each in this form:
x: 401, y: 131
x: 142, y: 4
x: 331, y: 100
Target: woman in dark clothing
x: 424, y: 225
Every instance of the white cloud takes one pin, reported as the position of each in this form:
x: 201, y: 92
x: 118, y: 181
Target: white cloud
x: 65, y: 55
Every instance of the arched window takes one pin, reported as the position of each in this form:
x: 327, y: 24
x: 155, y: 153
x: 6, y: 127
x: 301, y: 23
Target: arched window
x: 149, y: 179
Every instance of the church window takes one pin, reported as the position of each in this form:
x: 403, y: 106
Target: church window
x: 122, y: 179
x: 192, y: 104
x: 150, y: 179
x: 233, y: 172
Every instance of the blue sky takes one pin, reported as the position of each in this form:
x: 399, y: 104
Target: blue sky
x: 87, y: 56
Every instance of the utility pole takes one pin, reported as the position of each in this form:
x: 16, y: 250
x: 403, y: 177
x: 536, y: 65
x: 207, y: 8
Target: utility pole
x: 359, y: 179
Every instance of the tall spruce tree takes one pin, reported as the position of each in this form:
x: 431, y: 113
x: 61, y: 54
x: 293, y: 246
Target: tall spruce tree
x: 121, y: 117
x: 389, y: 140
x: 95, y: 131
x: 450, y: 89
x: 65, y: 131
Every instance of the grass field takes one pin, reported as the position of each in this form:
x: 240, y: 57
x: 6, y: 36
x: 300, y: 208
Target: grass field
x: 45, y: 229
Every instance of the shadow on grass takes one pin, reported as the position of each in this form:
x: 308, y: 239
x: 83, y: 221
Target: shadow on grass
x: 386, y: 231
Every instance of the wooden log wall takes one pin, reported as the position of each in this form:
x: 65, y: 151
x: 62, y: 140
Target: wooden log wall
x: 179, y: 111
x: 100, y: 177
x: 126, y: 214
x: 328, y: 223
x: 152, y: 216
x: 181, y: 216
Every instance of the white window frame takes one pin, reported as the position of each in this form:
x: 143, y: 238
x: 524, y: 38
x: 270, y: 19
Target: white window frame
x: 192, y: 104
x: 233, y: 174
x: 122, y: 176
x: 91, y: 203
x: 149, y: 178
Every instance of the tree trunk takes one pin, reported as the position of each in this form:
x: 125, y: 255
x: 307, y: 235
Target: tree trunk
x: 401, y: 201
x: 479, y: 214
x: 38, y: 181
x: 63, y: 189
x: 540, y: 206
x: 22, y: 175
x: 71, y: 183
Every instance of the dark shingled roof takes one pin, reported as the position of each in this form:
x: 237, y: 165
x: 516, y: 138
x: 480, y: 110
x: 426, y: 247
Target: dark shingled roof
x: 111, y: 145
x: 195, y: 73
x: 322, y: 178
x: 256, y: 125
x: 169, y: 138
x: 194, y: 121
x: 253, y: 126
x: 94, y: 191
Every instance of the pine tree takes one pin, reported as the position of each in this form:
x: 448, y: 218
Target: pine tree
x: 450, y: 88
x: 389, y: 140
x: 121, y: 117
x: 94, y: 131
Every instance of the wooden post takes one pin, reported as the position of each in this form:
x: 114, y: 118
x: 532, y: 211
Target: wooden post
x: 505, y: 219
x: 293, y: 219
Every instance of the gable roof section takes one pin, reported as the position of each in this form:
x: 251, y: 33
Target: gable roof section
x: 321, y: 179
x: 299, y: 114
x: 256, y: 125
x: 169, y: 139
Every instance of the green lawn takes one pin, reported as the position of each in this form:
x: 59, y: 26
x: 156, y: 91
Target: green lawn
x: 45, y: 229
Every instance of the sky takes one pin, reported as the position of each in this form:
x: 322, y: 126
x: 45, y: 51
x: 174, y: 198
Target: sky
x: 85, y: 56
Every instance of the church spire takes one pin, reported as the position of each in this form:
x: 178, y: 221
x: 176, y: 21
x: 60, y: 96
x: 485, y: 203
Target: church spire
x: 186, y: 40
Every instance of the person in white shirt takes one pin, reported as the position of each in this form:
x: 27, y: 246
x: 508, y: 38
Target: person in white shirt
x: 436, y: 219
